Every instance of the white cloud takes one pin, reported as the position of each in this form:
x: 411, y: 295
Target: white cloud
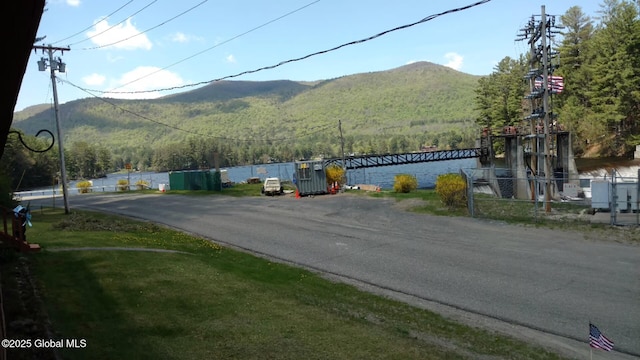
x: 184, y: 38
x: 94, y: 79
x: 144, y: 78
x: 104, y: 34
x: 231, y: 59
x: 73, y: 2
x: 454, y: 60
x: 112, y: 59
x: 180, y: 37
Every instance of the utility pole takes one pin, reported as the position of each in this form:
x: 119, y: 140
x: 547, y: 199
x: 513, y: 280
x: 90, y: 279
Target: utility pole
x: 344, y: 165
x: 341, y: 143
x: 56, y: 64
x: 545, y: 106
x: 541, y: 113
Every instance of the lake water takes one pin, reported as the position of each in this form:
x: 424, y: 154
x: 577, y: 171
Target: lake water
x: 426, y: 173
x: 383, y: 176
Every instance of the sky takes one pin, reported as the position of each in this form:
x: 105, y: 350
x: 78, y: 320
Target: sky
x: 143, y: 49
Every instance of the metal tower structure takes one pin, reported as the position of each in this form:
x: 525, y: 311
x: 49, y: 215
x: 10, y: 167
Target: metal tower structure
x: 542, y: 120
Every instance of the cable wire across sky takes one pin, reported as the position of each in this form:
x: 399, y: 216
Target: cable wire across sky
x: 355, y: 42
x: 112, y: 27
x: 217, y: 45
x: 149, y: 29
x: 92, y: 25
x: 91, y: 92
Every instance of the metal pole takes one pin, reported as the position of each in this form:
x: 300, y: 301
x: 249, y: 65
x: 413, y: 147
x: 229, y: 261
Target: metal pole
x: 63, y: 170
x: 545, y: 102
x: 613, y: 198
x: 344, y: 165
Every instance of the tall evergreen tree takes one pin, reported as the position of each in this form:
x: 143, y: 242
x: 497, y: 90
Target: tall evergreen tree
x: 573, y: 105
x: 499, y: 96
x: 614, y: 89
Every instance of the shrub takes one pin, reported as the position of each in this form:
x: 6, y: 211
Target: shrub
x: 123, y: 185
x: 404, y: 183
x: 335, y: 173
x: 142, y: 184
x: 84, y: 186
x: 451, y: 188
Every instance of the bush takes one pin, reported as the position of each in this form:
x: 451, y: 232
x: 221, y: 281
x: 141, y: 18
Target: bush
x: 451, y: 188
x: 404, y: 183
x: 335, y: 173
x: 123, y: 185
x: 142, y: 184
x: 84, y: 186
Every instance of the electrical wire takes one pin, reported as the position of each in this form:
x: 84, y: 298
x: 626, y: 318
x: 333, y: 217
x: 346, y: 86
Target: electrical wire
x: 149, y: 29
x: 428, y: 18
x: 114, y: 25
x: 219, y: 44
x: 91, y: 92
x: 90, y: 26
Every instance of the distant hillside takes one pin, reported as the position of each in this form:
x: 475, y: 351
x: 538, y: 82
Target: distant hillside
x: 30, y: 112
x: 228, y: 90
x: 420, y: 97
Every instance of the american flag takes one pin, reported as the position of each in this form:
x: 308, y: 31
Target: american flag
x: 597, y: 340
x: 556, y: 83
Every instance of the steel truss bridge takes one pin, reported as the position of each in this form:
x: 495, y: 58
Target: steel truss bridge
x: 367, y: 161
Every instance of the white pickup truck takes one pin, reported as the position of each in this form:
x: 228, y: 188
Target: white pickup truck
x: 272, y: 186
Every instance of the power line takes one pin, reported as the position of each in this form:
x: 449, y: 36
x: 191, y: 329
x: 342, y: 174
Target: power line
x: 147, y: 30
x: 219, y: 44
x: 114, y: 25
x: 90, y: 26
x: 428, y: 18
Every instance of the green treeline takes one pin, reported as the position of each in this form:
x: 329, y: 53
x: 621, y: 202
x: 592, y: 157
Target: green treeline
x: 600, y: 64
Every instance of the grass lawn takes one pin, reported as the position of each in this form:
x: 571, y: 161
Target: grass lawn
x: 490, y: 207
x: 208, y: 302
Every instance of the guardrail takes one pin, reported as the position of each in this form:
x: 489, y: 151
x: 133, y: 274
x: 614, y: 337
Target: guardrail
x: 19, y: 195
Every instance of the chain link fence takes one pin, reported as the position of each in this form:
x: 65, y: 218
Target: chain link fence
x: 621, y: 195
x: 494, y: 193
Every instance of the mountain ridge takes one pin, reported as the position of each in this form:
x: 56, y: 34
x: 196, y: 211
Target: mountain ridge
x: 418, y: 97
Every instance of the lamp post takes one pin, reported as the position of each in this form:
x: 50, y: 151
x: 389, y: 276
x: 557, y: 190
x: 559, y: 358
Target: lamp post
x: 56, y: 64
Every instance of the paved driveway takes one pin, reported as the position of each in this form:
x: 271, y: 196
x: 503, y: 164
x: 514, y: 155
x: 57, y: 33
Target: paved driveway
x: 538, y: 284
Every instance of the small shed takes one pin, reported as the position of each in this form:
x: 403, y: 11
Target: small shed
x: 194, y: 180
x: 310, y: 177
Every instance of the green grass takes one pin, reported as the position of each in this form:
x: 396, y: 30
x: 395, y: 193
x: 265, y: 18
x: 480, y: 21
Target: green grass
x: 429, y: 203
x: 489, y: 207
x: 564, y: 216
x: 210, y: 302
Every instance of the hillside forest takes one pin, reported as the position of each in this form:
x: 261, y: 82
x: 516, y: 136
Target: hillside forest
x: 394, y: 111
x: 600, y: 65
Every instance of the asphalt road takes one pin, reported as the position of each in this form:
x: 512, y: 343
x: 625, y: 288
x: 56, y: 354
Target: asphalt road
x: 538, y: 284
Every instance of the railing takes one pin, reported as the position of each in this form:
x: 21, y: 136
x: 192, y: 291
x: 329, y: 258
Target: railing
x: 366, y: 161
x: 20, y: 195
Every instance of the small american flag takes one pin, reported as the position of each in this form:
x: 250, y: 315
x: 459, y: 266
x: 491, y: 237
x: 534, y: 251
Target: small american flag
x: 597, y: 340
x: 556, y: 83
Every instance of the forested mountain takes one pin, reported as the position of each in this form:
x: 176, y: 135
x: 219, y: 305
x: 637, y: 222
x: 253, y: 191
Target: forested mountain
x: 247, y: 122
